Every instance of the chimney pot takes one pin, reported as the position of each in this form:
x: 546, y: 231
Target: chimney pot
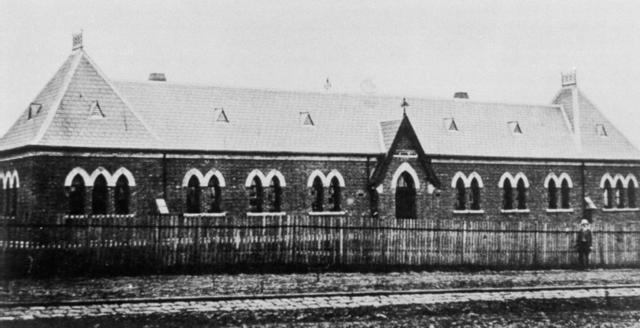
x: 159, y: 77
x: 461, y: 95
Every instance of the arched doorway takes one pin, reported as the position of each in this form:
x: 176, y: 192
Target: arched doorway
x: 405, y: 197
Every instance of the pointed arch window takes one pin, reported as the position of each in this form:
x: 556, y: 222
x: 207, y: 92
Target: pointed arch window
x: 122, y: 196
x: 76, y: 196
x: 256, y: 195
x: 619, y: 194
x: 507, y: 193
x: 553, y: 194
x: 2, y: 195
x: 608, y: 195
x: 474, y: 196
x: 275, y: 195
x: 632, y: 185
x: 193, y: 195
x: 461, y: 197
x: 405, y: 197
x: 374, y: 202
x: 318, y: 195
x: 565, y: 194
x: 522, y: 194
x: 215, y: 195
x: 335, y: 194
x: 99, y: 195
x: 12, y: 199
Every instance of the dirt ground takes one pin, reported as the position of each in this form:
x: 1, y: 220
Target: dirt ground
x: 247, y: 284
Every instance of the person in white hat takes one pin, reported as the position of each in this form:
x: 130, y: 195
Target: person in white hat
x: 584, y: 244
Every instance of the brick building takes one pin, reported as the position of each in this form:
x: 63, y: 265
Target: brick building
x: 91, y: 145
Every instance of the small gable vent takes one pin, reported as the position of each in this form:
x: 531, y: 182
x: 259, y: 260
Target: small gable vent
x: 95, y: 111
x: 601, y: 130
x: 34, y: 109
x: 220, y: 116
x: 514, y: 126
x: 450, y: 124
x: 305, y: 118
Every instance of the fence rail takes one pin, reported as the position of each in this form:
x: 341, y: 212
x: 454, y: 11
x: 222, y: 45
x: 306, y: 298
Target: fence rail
x: 157, y: 243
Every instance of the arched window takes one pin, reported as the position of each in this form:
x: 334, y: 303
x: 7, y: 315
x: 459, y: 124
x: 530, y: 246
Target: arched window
x: 461, y: 197
x: 374, y: 200
x: 256, y: 195
x: 553, y: 194
x: 99, y: 196
x: 565, y: 193
x: 335, y: 194
x: 405, y: 197
x: 475, y: 194
x: 608, y: 195
x: 620, y: 194
x: 2, y: 192
x: 215, y: 192
x: 12, y: 199
x: 507, y: 190
x: 631, y: 191
x: 76, y: 196
x: 122, y: 196
x: 275, y: 195
x: 522, y: 194
x: 318, y: 195
x: 193, y: 195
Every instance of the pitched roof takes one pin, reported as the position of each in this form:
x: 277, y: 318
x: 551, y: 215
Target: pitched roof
x: 80, y: 108
x: 163, y: 115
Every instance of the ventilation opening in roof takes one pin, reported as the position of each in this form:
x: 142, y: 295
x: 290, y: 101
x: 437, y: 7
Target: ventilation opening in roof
x: 514, y: 126
x: 601, y: 130
x: 220, y: 115
x: 450, y: 124
x: 95, y: 111
x: 305, y: 118
x: 34, y: 109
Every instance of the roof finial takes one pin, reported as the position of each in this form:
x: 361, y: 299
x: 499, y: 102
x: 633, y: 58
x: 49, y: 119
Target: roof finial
x: 77, y: 41
x: 404, y: 106
x: 569, y: 79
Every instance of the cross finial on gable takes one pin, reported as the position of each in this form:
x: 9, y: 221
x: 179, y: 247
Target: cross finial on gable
x: 77, y: 41
x: 404, y: 106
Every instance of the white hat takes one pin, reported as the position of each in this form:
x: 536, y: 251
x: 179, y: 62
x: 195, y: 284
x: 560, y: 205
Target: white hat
x: 584, y: 221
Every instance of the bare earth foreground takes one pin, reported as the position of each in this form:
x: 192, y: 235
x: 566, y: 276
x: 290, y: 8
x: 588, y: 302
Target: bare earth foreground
x: 251, y: 284
x: 581, y: 309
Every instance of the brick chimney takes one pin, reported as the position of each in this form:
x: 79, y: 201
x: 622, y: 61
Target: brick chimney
x: 461, y: 95
x: 158, y: 77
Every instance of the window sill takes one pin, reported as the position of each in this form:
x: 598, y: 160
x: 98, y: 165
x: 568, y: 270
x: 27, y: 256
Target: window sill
x: 634, y: 209
x: 516, y: 211
x: 99, y: 216
x: 266, y: 213
x: 328, y: 213
x: 468, y: 211
x: 559, y: 210
x: 207, y: 214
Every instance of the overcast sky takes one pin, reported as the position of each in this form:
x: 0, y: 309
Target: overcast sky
x: 506, y: 51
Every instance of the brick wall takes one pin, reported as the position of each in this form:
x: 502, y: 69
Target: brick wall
x: 42, y: 191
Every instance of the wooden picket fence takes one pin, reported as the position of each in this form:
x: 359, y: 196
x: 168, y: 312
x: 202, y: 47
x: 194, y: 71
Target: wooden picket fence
x: 123, y: 244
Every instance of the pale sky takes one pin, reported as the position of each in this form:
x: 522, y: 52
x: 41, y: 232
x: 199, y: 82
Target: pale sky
x: 505, y: 51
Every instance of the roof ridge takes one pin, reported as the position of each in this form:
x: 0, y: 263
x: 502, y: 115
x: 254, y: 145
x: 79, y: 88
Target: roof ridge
x: 343, y: 94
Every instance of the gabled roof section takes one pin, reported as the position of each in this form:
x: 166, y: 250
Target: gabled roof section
x: 24, y: 131
x: 404, y: 130
x: 593, y: 144
x: 76, y: 95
